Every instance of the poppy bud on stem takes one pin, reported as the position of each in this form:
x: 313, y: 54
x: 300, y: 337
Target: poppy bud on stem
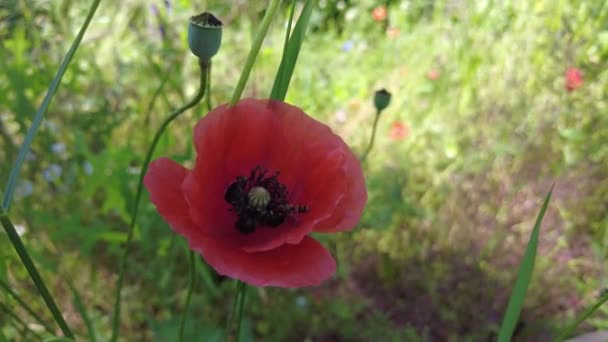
x: 382, y: 98
x: 204, y: 36
x: 204, y: 39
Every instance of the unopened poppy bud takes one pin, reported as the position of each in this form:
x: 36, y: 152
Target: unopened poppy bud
x: 259, y: 197
x: 381, y: 99
x: 204, y: 35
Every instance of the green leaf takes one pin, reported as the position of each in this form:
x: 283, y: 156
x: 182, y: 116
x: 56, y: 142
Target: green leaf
x: 518, y: 294
x: 58, y: 339
x: 290, y: 54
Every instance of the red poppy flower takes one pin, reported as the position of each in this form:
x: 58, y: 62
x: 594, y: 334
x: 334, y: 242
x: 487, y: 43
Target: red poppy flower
x: 379, y: 13
x: 433, y: 74
x: 266, y: 176
x: 574, y: 79
x: 398, y: 131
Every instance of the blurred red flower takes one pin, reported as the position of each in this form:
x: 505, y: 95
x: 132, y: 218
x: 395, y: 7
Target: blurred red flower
x: 379, y: 13
x: 433, y: 74
x: 392, y: 32
x: 266, y: 176
x: 398, y: 131
x: 574, y: 79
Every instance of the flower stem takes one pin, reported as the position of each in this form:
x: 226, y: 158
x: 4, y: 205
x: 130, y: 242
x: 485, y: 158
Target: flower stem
x: 239, y: 320
x: 188, y: 297
x: 237, y: 310
x: 123, y: 264
x: 570, y: 328
x: 255, y: 49
x: 34, y: 274
x: 209, y: 106
x: 372, y: 139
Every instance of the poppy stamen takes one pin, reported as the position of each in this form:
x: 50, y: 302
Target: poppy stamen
x: 260, y: 199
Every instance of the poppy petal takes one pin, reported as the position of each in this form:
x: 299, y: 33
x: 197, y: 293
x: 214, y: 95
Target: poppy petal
x: 348, y: 211
x: 305, y: 264
x: 163, y: 181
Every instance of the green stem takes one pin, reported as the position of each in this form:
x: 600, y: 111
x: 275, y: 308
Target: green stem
x: 242, y: 293
x: 188, y: 297
x: 25, y: 147
x: 372, y: 139
x: 25, y: 306
x: 255, y: 49
x: 209, y: 106
x: 123, y: 264
x: 570, y: 328
x: 34, y: 274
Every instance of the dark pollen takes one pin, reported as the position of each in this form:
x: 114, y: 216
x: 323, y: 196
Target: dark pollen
x: 272, y: 213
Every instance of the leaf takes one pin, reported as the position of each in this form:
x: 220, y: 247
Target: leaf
x: 518, y: 294
x: 290, y: 54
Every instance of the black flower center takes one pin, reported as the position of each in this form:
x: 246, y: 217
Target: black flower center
x: 260, y: 199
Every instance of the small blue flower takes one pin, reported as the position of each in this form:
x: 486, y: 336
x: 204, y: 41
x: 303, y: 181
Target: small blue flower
x: 24, y: 189
x: 52, y: 173
x: 348, y: 45
x: 58, y: 148
x: 88, y: 168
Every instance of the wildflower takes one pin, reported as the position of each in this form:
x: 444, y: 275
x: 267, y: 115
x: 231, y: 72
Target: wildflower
x: 24, y: 189
x: 341, y: 116
x: 88, y: 168
x: 574, y: 79
x: 379, y: 13
x: 348, y: 46
x: 398, y: 131
x: 392, y: 32
x: 266, y: 175
x: 58, y: 148
x: 433, y: 74
x: 52, y: 172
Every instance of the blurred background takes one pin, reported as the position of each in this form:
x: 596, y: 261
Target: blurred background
x: 493, y: 102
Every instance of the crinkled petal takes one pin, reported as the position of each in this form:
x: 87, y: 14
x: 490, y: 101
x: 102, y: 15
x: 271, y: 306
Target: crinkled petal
x: 305, y: 264
x: 231, y: 141
x: 348, y: 212
x: 163, y: 181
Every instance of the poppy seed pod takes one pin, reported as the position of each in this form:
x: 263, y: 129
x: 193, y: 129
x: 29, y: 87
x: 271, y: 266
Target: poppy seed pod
x: 382, y: 98
x: 204, y: 35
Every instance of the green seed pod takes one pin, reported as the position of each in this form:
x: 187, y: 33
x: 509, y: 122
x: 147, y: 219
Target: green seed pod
x: 259, y: 197
x: 204, y: 35
x: 382, y: 98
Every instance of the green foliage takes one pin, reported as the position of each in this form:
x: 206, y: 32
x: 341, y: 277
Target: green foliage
x: 450, y: 204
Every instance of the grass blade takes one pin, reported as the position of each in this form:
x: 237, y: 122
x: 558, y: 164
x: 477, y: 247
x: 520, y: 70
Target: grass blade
x: 290, y: 54
x: 255, y: 48
x: 77, y: 300
x: 25, y: 306
x: 25, y: 147
x: 586, y: 314
x: 518, y: 294
x: 33, y: 272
